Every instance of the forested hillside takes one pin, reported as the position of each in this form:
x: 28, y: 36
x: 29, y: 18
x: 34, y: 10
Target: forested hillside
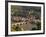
x: 25, y: 18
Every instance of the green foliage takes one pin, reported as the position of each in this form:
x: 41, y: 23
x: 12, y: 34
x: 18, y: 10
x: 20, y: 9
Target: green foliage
x: 15, y: 28
x: 16, y: 14
x: 18, y: 28
x: 34, y: 28
x: 15, y: 10
x: 38, y: 25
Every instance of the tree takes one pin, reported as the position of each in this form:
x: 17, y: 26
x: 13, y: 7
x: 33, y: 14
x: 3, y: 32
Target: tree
x: 15, y: 10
